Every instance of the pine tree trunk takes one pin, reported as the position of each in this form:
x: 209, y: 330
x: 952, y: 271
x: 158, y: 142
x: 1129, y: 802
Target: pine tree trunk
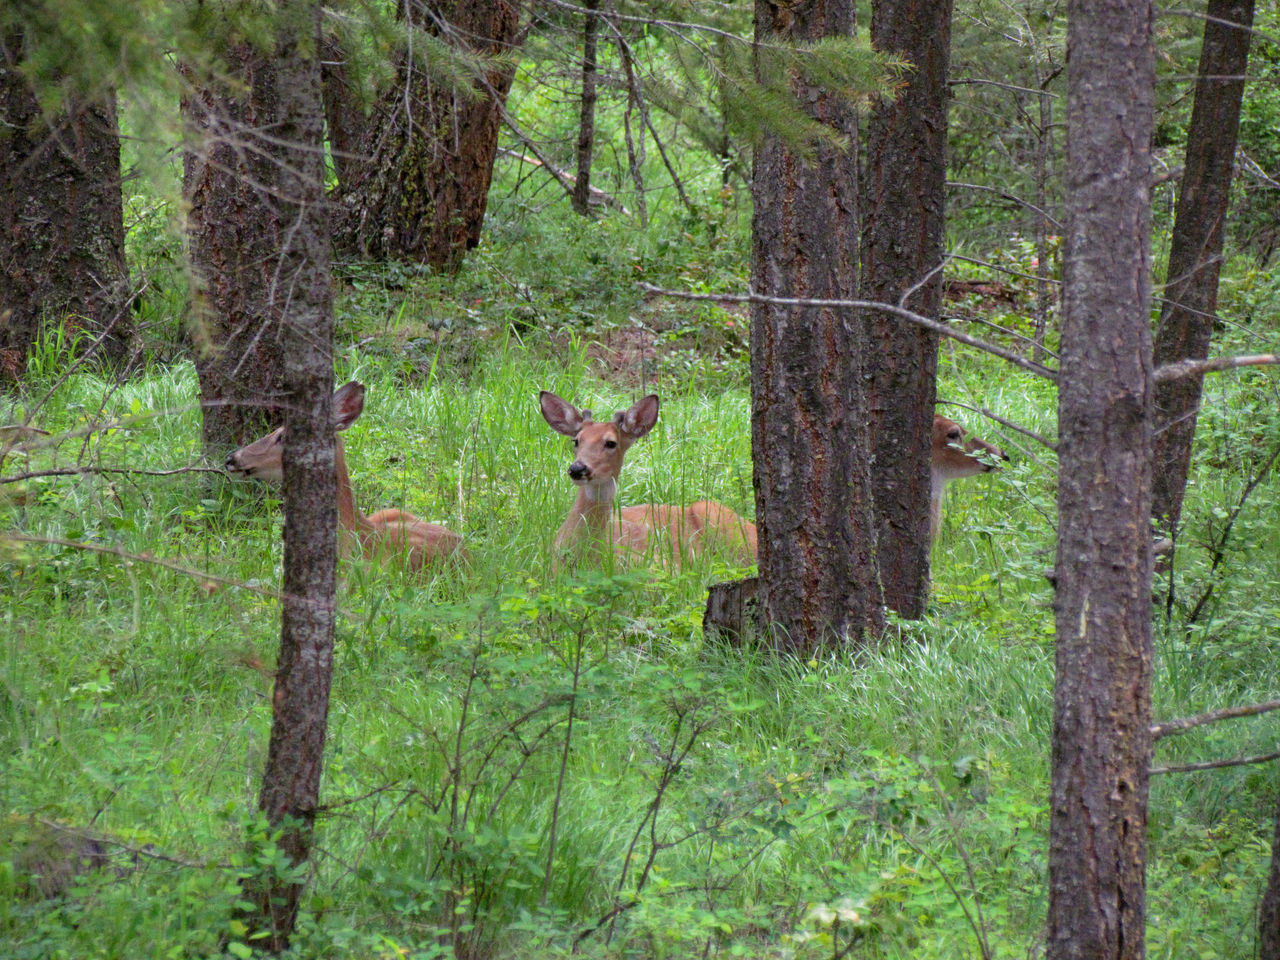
x: 432, y: 144
x: 1195, y: 254
x: 346, y: 126
x: 1102, y: 696
x: 290, y: 93
x: 1269, y: 909
x: 902, y: 248
x: 234, y: 236
x: 587, y: 114
x: 818, y: 583
x: 61, y: 222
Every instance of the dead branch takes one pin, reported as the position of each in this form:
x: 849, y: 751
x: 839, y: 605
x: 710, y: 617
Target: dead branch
x: 1214, y: 764
x: 140, y: 558
x: 900, y: 312
x: 1192, y: 368
x: 1183, y: 724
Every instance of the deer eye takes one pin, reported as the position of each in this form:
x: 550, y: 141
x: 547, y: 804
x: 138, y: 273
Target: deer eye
x: 610, y: 444
x: 575, y: 443
x: 954, y: 436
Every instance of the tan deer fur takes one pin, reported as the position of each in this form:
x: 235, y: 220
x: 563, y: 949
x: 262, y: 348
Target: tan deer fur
x: 664, y: 532
x: 388, y: 536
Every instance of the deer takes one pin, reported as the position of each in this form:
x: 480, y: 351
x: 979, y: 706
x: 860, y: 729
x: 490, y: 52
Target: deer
x: 648, y: 529
x: 955, y: 454
x: 387, y: 536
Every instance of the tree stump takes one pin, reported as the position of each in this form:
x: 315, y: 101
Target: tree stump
x: 733, y: 613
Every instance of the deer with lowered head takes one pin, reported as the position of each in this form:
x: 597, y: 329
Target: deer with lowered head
x: 955, y: 454
x: 387, y: 536
x: 669, y: 533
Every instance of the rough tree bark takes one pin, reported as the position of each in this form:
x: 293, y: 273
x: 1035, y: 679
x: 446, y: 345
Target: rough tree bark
x: 345, y: 122
x: 432, y: 143
x: 234, y: 235
x: 902, y: 247
x: 818, y: 581
x: 1102, y: 695
x: 587, y: 115
x: 61, y: 220
x: 1269, y: 909
x: 300, y: 299
x: 1195, y: 254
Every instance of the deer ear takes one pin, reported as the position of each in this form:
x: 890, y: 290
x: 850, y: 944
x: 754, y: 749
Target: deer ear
x: 348, y: 404
x: 639, y: 420
x: 562, y: 416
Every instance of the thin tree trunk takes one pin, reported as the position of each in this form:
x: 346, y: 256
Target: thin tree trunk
x: 587, y: 116
x: 1102, y: 695
x: 61, y: 221
x: 904, y: 186
x: 818, y: 582
x: 1195, y: 254
x: 300, y: 704
x: 432, y: 143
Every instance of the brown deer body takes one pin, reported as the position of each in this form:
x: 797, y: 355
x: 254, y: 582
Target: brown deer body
x: 387, y: 536
x: 668, y: 533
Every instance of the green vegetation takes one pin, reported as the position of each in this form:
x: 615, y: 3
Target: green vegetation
x: 524, y: 764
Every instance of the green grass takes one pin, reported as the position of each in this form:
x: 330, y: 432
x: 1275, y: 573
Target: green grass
x: 137, y: 701
x: 893, y: 788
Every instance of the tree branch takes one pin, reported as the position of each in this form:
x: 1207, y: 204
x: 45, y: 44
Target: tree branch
x: 1191, y: 368
x: 1214, y: 764
x: 901, y: 313
x: 1183, y: 724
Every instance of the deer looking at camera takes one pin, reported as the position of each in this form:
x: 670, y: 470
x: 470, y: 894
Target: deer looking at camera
x: 667, y: 532
x: 388, y: 536
x: 955, y: 454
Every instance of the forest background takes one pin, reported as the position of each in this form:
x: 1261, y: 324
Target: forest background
x: 523, y: 762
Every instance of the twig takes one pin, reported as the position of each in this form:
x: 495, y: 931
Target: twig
x: 1183, y: 724
x: 1043, y: 441
x: 901, y: 313
x: 132, y: 471
x: 1191, y: 368
x: 1012, y: 198
x: 140, y: 558
x: 1214, y: 764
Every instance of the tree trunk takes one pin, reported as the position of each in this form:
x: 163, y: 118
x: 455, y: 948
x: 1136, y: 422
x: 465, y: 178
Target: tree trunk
x: 902, y: 249
x: 817, y: 559
x: 1269, y: 909
x: 61, y: 221
x: 290, y: 95
x: 587, y: 115
x: 234, y: 236
x: 1195, y: 254
x: 432, y: 143
x: 1102, y: 696
x: 345, y: 123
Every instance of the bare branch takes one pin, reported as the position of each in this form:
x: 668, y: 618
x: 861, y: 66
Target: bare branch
x: 1214, y: 764
x: 140, y: 558
x: 129, y: 471
x: 901, y: 313
x: 1043, y: 441
x: 1191, y: 368
x: 1182, y: 725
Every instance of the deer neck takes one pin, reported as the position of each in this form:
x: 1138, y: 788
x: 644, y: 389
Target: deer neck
x: 349, y: 517
x: 591, y: 516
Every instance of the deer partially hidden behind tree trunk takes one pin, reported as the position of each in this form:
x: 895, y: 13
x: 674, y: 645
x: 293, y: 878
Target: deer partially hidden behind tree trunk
x: 955, y: 454
x: 665, y: 533
x: 388, y: 536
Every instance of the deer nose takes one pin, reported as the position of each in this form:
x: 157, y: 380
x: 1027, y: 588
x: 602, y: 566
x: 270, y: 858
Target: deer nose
x: 579, y: 471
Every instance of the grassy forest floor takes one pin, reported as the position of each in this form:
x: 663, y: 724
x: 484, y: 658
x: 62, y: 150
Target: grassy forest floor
x: 695, y: 800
